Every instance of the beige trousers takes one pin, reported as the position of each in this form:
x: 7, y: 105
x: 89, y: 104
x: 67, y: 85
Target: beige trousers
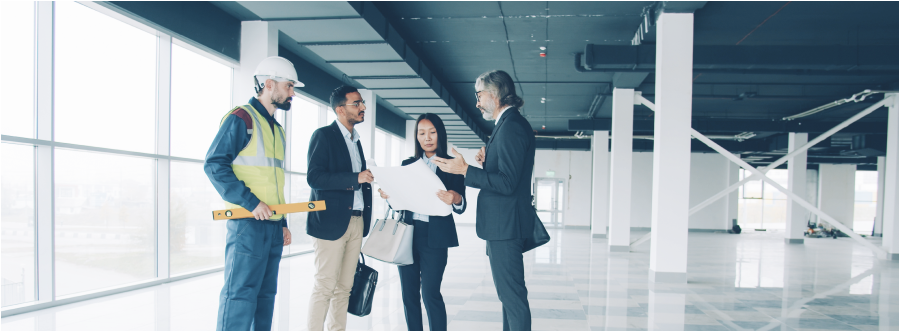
x: 335, y: 269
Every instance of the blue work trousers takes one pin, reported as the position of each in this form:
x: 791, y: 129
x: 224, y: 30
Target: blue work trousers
x: 252, y: 255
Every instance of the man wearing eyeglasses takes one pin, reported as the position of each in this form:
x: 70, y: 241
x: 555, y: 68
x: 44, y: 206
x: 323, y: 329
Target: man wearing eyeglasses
x: 337, y: 174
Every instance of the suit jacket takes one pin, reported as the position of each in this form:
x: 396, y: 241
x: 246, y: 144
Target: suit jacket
x: 504, y: 203
x: 330, y: 176
x: 442, y: 229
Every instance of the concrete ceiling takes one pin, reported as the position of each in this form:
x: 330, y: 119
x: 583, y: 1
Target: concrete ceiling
x: 457, y: 41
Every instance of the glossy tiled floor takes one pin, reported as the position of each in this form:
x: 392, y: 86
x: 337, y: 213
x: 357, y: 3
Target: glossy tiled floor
x: 751, y: 281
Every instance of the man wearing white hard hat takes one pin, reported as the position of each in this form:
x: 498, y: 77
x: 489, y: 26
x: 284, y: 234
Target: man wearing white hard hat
x: 246, y: 166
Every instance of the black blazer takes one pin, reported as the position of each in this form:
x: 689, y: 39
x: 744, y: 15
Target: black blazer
x: 442, y: 229
x: 330, y: 176
x: 504, y: 203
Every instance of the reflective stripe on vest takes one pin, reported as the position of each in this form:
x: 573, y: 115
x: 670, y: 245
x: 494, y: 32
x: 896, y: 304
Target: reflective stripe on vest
x: 260, y: 164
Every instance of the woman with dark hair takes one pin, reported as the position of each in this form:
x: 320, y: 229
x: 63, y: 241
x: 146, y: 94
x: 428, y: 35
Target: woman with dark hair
x: 432, y: 235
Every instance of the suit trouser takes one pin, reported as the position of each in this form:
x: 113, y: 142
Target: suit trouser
x: 426, y: 273
x: 335, y: 268
x: 252, y: 254
x: 508, y: 270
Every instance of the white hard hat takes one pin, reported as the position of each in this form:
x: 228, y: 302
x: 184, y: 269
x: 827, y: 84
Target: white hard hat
x: 275, y: 68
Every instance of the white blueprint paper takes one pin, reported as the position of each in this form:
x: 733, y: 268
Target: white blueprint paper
x: 412, y: 187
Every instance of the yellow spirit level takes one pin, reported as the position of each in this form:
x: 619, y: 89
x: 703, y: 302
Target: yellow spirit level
x: 276, y: 209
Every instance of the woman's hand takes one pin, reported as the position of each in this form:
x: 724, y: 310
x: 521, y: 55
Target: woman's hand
x: 383, y: 195
x: 449, y: 197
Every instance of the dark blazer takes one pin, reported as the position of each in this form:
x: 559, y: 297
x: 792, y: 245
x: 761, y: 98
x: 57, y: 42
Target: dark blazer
x: 504, y: 203
x: 330, y: 176
x: 442, y: 229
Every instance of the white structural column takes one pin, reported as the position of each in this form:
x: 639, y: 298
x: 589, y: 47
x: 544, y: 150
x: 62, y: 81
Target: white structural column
x: 620, y: 170
x: 366, y: 129
x: 879, y: 199
x: 600, y: 184
x: 671, y: 148
x: 409, y: 144
x: 163, y: 166
x: 837, y: 191
x: 891, y: 212
x: 259, y: 40
x: 731, y: 202
x: 796, y: 214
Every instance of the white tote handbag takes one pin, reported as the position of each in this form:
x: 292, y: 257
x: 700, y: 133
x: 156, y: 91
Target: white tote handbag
x: 390, y: 241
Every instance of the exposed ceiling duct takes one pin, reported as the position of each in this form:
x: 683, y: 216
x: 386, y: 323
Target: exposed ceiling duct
x: 749, y: 59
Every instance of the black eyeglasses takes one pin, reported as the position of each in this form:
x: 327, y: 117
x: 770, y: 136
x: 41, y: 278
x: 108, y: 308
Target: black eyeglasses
x: 356, y: 104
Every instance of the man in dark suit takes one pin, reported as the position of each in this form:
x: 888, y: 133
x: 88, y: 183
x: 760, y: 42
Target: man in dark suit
x: 505, y: 217
x: 337, y: 174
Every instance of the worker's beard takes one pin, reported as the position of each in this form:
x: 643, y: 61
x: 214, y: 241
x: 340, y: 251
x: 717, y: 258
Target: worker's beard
x: 283, y: 105
x: 488, y: 108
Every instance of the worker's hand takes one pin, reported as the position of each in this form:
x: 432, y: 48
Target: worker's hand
x: 262, y: 211
x: 479, y: 157
x: 287, y: 236
x: 383, y: 194
x: 366, y: 177
x: 449, y: 197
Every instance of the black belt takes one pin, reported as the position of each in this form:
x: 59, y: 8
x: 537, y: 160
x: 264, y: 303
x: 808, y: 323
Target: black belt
x: 356, y: 213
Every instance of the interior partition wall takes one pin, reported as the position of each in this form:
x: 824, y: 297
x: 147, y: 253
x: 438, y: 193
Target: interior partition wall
x: 106, y: 126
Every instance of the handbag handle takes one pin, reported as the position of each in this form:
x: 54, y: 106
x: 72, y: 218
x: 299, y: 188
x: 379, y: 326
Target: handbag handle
x: 388, y: 211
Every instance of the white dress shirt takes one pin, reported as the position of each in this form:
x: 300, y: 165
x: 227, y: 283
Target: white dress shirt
x: 501, y: 114
x: 351, y: 139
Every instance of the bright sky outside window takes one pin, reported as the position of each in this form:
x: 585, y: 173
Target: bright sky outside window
x: 196, y: 242
x: 330, y: 116
x: 104, y: 80
x: 300, y: 191
x: 760, y: 204
x: 17, y: 28
x: 17, y: 221
x: 865, y: 201
x: 104, y: 221
x: 201, y: 96
x: 304, y: 120
x: 381, y: 156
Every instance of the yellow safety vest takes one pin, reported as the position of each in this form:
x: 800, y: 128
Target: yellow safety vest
x: 261, y: 163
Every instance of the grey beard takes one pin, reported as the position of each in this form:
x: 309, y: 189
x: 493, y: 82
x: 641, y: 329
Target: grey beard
x: 489, y: 109
x: 487, y: 115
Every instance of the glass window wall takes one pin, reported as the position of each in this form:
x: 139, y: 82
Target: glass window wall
x: 17, y: 22
x: 105, y: 232
x: 304, y: 121
x: 104, y: 204
x: 866, y: 201
x: 196, y: 241
x: 201, y: 96
x: 300, y: 192
x: 104, y: 73
x: 18, y: 224
x: 760, y: 205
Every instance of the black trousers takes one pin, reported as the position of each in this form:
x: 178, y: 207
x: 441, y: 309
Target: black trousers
x: 508, y: 270
x: 426, y: 273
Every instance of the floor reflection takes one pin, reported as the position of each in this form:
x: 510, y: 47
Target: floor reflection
x: 751, y: 281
